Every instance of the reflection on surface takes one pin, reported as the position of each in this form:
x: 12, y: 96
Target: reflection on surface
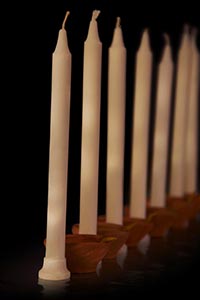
x: 121, y: 256
x: 198, y: 217
x: 110, y: 271
x: 144, y: 244
x: 53, y: 287
x: 99, y: 267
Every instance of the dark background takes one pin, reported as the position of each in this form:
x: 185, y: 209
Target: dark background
x: 29, y: 38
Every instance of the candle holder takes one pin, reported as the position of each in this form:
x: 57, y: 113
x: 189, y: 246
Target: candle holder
x: 136, y: 229
x: 161, y: 220
x: 84, y: 252
x: 194, y: 199
x: 111, y: 234
x: 109, y: 229
x: 184, y: 211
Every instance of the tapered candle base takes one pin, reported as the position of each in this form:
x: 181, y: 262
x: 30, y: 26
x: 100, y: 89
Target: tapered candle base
x: 54, y: 269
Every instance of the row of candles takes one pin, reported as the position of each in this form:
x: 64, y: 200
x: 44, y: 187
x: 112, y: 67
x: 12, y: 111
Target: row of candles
x: 183, y: 176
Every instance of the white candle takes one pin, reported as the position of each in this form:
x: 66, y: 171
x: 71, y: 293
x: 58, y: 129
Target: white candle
x: 116, y: 127
x: 162, y: 121
x: 54, y: 266
x: 180, y: 119
x: 191, y: 157
x: 90, y: 129
x: 138, y: 188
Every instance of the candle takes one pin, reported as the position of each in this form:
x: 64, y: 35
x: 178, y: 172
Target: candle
x: 90, y: 129
x: 162, y: 120
x: 191, y: 158
x: 116, y: 127
x: 138, y: 193
x: 54, y: 266
x: 176, y: 188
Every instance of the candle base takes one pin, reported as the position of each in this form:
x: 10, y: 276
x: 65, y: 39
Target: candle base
x: 54, y: 269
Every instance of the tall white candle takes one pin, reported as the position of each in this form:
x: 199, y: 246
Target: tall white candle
x: 162, y: 121
x: 138, y: 188
x: 176, y: 188
x: 191, y: 158
x: 90, y: 129
x: 116, y: 127
x: 54, y: 266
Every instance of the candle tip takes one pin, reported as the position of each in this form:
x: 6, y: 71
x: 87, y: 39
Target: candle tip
x: 65, y: 19
x: 95, y: 14
x: 145, y: 32
x: 118, y: 22
x: 145, y: 35
x: 186, y: 29
x: 166, y: 39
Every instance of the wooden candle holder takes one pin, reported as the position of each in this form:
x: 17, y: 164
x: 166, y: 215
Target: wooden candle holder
x: 161, y: 220
x: 194, y: 199
x: 184, y: 211
x: 108, y: 229
x: 135, y: 228
x: 85, y: 251
x: 111, y: 234
x: 138, y: 229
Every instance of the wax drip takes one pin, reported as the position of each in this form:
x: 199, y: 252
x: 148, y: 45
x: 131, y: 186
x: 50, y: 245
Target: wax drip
x: 65, y: 19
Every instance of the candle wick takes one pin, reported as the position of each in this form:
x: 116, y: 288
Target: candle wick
x: 65, y: 19
x: 95, y: 14
x: 118, y: 22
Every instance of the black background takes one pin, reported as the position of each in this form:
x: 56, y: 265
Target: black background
x: 28, y: 40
